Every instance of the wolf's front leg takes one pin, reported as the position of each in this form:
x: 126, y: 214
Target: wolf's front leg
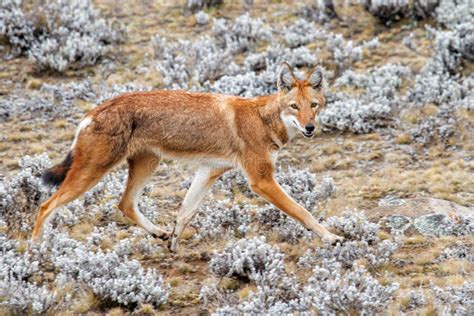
x: 263, y: 183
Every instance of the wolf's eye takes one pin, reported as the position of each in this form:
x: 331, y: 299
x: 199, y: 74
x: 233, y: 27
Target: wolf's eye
x: 294, y: 106
x: 314, y: 104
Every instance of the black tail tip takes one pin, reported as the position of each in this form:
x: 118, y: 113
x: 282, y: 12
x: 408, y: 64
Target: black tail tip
x: 55, y: 176
x: 52, y: 178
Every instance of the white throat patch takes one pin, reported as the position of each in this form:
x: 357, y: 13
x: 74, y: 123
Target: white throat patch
x: 291, y: 124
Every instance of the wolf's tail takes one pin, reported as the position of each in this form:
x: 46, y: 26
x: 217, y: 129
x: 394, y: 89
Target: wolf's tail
x: 54, y: 176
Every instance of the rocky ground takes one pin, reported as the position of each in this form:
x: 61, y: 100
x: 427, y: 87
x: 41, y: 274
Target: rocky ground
x: 390, y: 167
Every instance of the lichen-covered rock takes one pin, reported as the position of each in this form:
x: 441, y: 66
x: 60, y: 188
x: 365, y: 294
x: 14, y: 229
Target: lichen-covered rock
x: 398, y: 223
x: 419, y: 206
x: 426, y: 216
x: 440, y: 224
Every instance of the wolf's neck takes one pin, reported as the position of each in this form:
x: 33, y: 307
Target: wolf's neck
x: 271, y: 116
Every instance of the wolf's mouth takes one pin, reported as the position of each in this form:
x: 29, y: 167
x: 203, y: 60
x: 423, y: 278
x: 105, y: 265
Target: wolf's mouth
x: 308, y: 134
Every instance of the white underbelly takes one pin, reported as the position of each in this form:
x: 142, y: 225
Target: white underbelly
x: 200, y: 160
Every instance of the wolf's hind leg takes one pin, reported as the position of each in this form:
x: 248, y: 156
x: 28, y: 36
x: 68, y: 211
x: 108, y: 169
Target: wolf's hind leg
x: 78, y: 180
x: 203, y: 181
x: 141, y: 168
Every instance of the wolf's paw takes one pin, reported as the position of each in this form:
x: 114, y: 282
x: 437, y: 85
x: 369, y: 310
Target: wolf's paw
x: 332, y: 239
x: 163, y: 235
x: 173, y: 244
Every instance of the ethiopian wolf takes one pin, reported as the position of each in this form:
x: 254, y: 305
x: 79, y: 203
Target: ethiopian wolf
x: 219, y: 132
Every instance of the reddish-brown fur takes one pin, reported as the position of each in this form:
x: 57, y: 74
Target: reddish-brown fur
x: 218, y: 131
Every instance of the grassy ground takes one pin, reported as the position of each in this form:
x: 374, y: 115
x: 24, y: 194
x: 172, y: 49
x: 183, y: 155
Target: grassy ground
x: 365, y: 168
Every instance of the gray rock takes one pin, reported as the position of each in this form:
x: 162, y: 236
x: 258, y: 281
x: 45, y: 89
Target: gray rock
x: 398, y: 223
x: 440, y: 224
x: 424, y: 215
x: 419, y: 206
x: 391, y: 200
x: 432, y: 224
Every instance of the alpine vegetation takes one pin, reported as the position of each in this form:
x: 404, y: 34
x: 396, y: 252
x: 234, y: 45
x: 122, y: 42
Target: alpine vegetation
x: 387, y: 10
x: 415, y: 300
x: 66, y: 94
x: 440, y: 81
x: 302, y: 32
x: 108, y: 274
x: 439, y: 128
x: 15, y: 26
x: 329, y: 289
x: 301, y: 185
x: 247, y: 259
x: 380, y: 83
x: 373, y: 108
x: 210, y: 61
x: 222, y: 218
x: 455, y: 300
x: 424, y: 9
x: 232, y: 182
x: 361, y: 242
x: 356, y: 116
x: 458, y: 251
x: 195, y: 5
x: 320, y: 11
x: 64, y: 35
x: 344, y: 53
x: 240, y: 35
x: 399, y: 70
x: 28, y: 106
x: 111, y: 276
x: 18, y: 291
x: 204, y: 61
x: 21, y: 196
x: 332, y: 290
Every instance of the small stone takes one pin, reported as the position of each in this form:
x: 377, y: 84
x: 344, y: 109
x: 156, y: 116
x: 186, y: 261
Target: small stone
x: 398, y: 222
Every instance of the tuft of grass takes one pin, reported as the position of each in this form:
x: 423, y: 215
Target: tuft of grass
x: 185, y: 268
x: 146, y: 309
x: 174, y: 282
x: 84, y: 302
x: 60, y: 123
x: 82, y: 230
x: 122, y: 234
x: 453, y: 267
x: 34, y: 84
x: 116, y: 311
x: 403, y: 139
x: 229, y: 284
x: 331, y: 149
x: 244, y: 293
x: 415, y: 240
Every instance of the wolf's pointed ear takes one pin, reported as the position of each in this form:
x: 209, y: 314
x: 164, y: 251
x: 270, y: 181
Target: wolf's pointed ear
x: 315, y: 78
x: 286, y: 79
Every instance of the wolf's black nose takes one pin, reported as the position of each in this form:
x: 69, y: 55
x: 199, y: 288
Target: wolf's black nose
x: 309, y: 128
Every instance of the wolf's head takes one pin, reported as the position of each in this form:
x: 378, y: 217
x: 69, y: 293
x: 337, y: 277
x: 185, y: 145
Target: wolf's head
x: 300, y: 100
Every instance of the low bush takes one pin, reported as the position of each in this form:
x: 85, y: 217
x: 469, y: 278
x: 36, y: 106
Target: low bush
x: 60, y: 35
